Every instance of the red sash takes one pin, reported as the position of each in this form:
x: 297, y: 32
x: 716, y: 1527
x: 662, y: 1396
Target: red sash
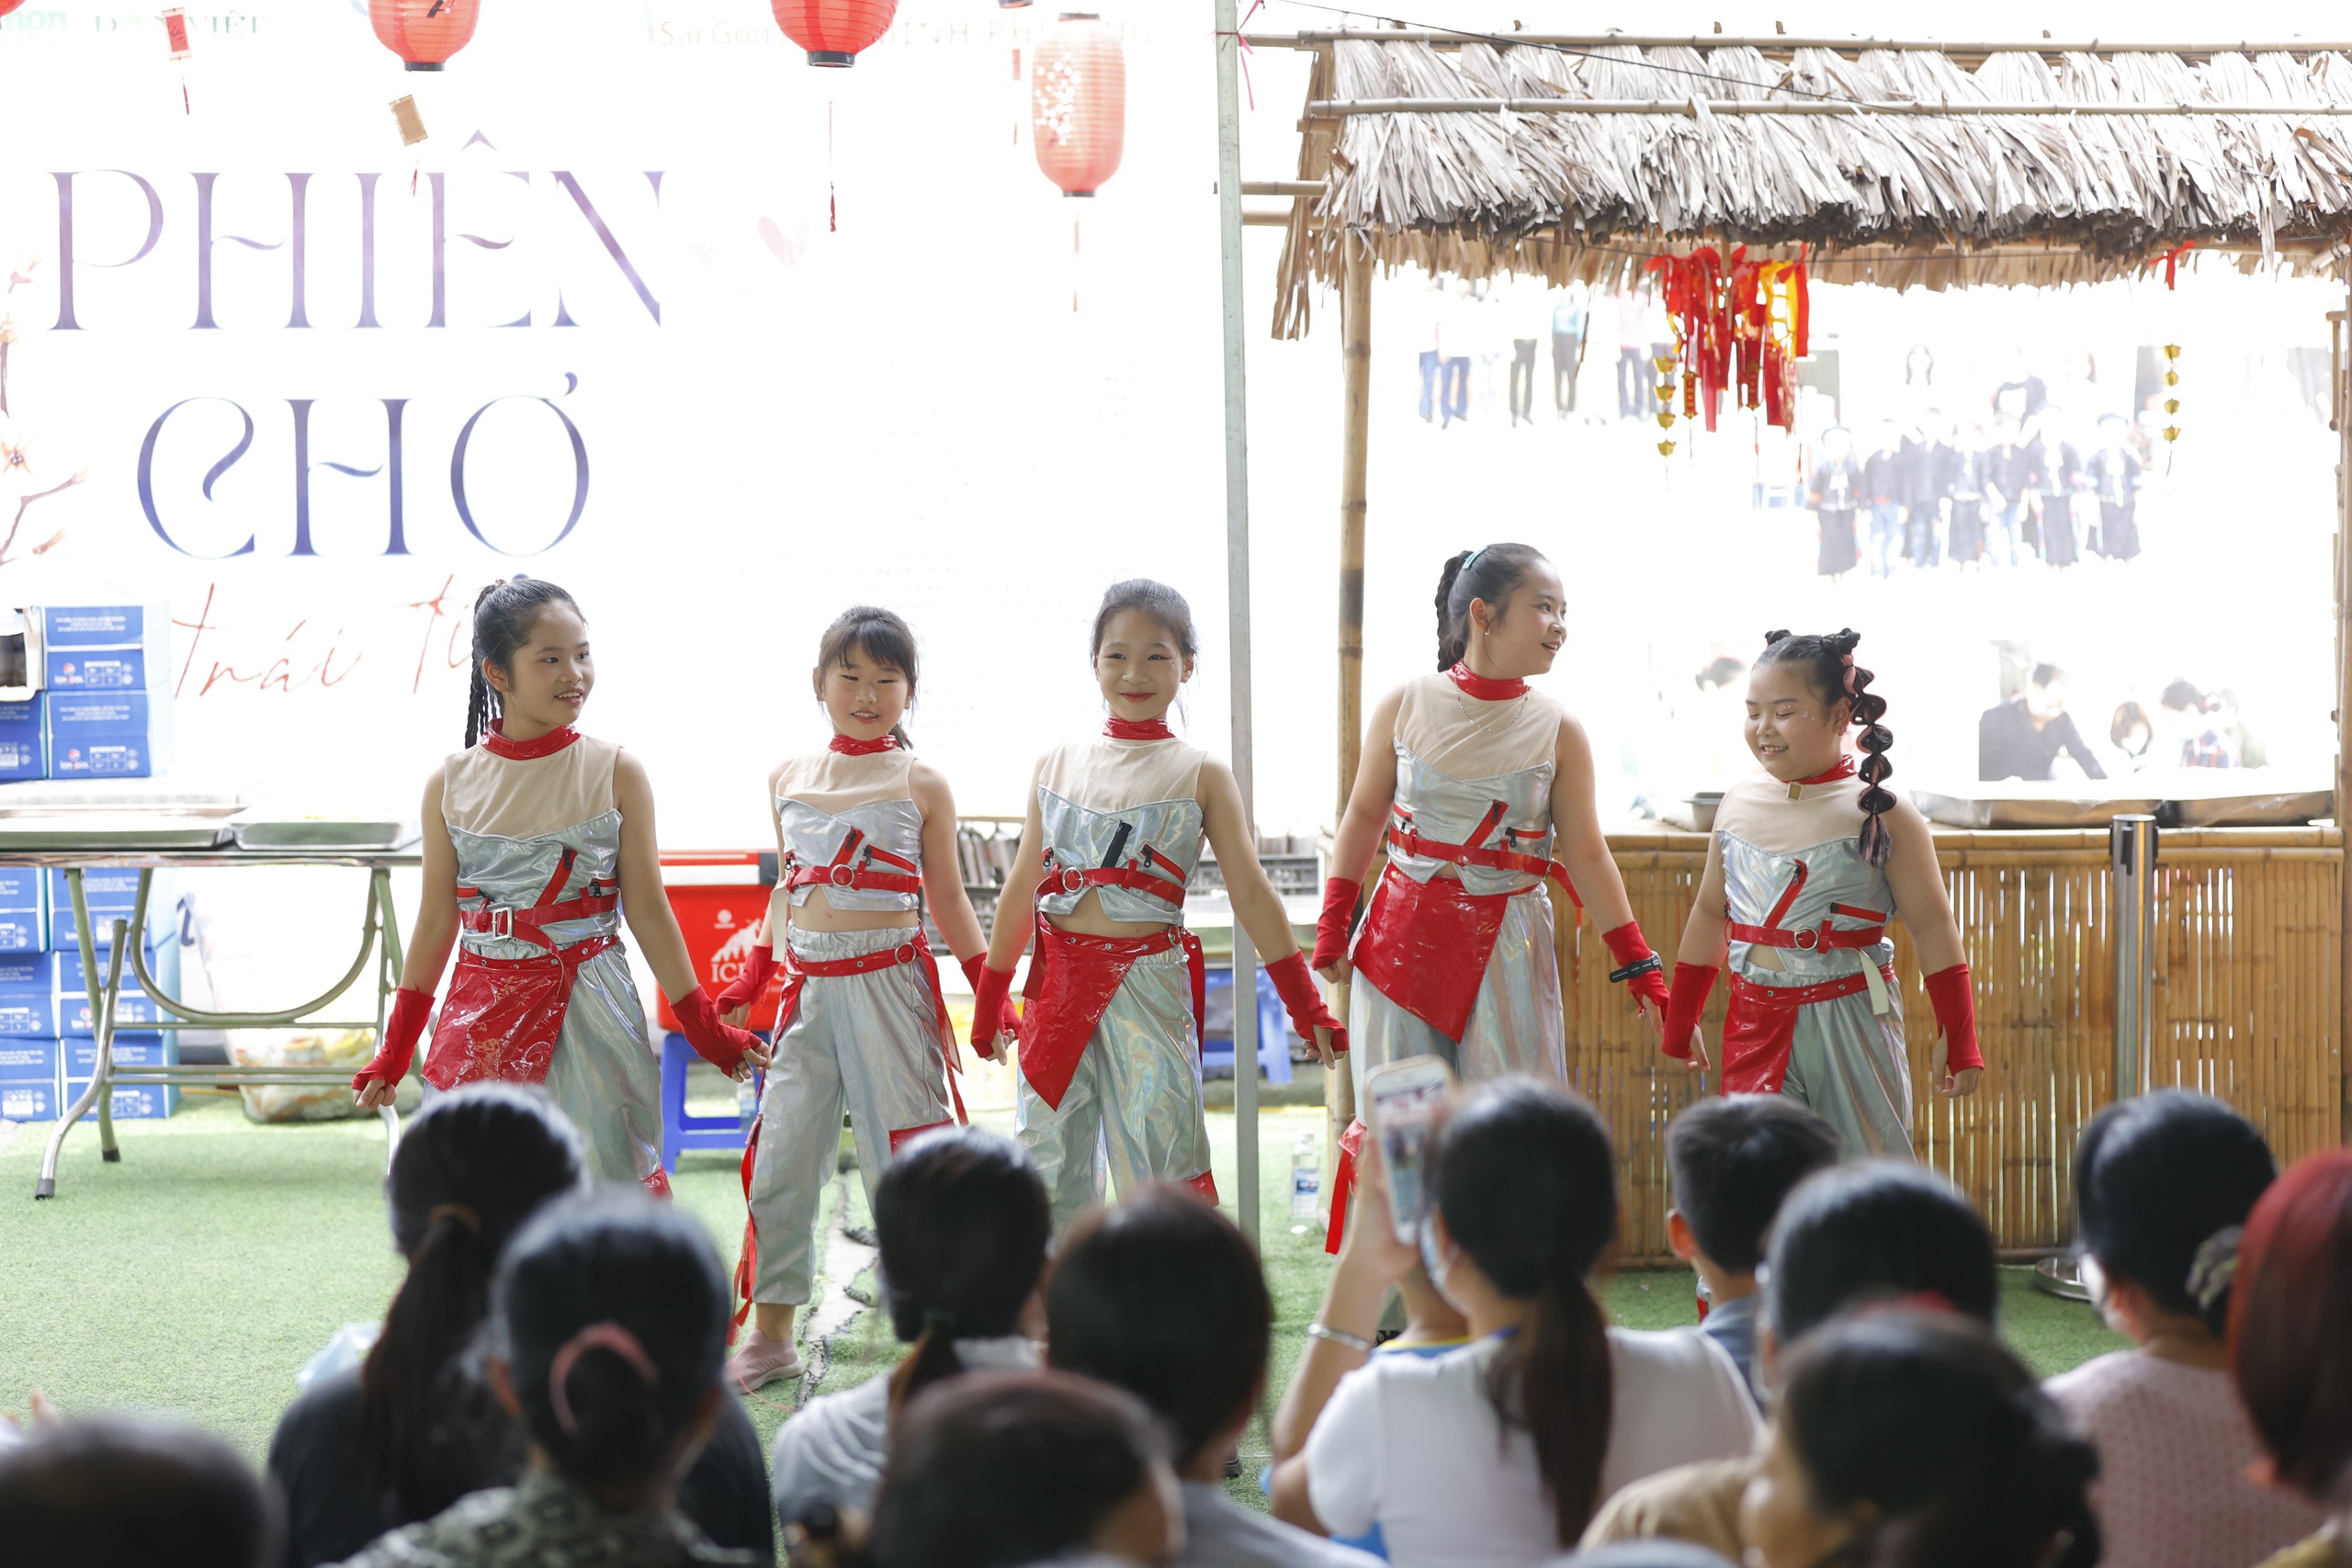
x: 1760, y: 1026
x: 1071, y: 980
x: 1425, y: 946
x: 798, y: 972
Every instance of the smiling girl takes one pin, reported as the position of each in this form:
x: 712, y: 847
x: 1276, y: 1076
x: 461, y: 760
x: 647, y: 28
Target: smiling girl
x: 536, y: 837
x: 1473, y: 779
x: 1797, y: 900
x: 866, y: 833
x: 1109, y: 1043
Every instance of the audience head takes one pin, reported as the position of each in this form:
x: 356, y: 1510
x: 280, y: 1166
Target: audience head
x: 1912, y: 1439
x: 611, y: 1316
x: 2288, y: 1344
x: 1876, y: 1230
x: 1733, y: 1159
x: 995, y: 1470
x: 1524, y: 1188
x: 122, y: 1492
x: 963, y: 1223
x: 1658, y: 1554
x: 1163, y: 1297
x: 2162, y: 1182
x: 471, y: 1168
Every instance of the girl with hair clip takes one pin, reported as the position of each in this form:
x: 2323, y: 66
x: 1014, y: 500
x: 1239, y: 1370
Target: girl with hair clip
x: 1797, y: 901
x: 536, y: 840
x: 415, y: 1427
x: 963, y: 1225
x: 2289, y: 1353
x: 1110, y: 1042
x: 865, y: 831
x: 2162, y: 1185
x: 611, y: 1330
x: 1496, y: 1453
x: 1473, y: 780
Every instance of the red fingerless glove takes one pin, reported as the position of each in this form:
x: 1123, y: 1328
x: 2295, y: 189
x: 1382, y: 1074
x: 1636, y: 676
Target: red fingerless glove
x: 1007, y: 1014
x: 1294, y: 983
x: 751, y: 985
x: 1331, y: 930
x: 1626, y: 946
x: 1692, y: 982
x: 397, y: 1049
x: 721, y: 1044
x: 992, y: 994
x: 1954, y: 994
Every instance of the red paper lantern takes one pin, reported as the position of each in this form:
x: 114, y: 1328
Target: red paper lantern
x: 834, y: 32
x: 425, y: 33
x: 1078, y: 97
x: 8, y: 5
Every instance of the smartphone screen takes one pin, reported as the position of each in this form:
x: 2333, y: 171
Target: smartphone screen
x: 1405, y: 1100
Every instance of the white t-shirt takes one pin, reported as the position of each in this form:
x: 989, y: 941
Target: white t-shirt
x: 1414, y: 1446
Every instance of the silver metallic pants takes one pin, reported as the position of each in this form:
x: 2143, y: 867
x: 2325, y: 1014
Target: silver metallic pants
x: 1848, y: 1066
x: 1133, y: 1105
x: 604, y: 1075
x: 1517, y: 1025
x: 867, y: 1043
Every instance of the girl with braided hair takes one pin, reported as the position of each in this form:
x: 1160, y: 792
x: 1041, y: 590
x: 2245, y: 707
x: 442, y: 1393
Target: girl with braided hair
x: 1481, y: 789
x: 536, y: 837
x: 1797, y: 902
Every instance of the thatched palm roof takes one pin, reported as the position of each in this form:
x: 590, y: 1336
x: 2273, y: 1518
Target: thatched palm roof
x: 1884, y: 161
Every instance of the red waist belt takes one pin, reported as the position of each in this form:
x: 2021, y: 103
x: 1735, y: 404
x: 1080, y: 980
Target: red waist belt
x: 1406, y: 841
x: 1824, y: 938
x: 1071, y: 980
x: 1760, y: 1025
x: 1135, y: 876
x: 502, y: 1016
x: 851, y: 868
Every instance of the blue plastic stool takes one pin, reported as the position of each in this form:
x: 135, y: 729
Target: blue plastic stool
x: 1273, y: 1031
x: 680, y: 1131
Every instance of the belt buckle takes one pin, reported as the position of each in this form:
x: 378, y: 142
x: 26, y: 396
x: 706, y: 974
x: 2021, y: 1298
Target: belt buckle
x: 1070, y: 879
x: 502, y: 924
x: 904, y: 952
x: 1808, y: 940
x: 843, y: 875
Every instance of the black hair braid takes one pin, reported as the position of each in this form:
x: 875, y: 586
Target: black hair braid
x: 478, y: 694
x: 1833, y: 674
x: 1451, y: 643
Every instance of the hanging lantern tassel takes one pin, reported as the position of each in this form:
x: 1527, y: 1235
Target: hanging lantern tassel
x: 411, y: 126
x: 176, y: 34
x: 2172, y: 382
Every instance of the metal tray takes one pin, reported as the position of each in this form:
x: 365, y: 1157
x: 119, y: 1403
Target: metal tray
x: 145, y: 798
x: 119, y: 832
x: 2212, y: 800
x: 2021, y: 810
x: 314, y: 833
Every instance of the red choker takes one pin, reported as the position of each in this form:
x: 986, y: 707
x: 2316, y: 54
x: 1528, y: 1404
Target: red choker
x: 1844, y: 770
x: 494, y: 741
x: 850, y: 748
x: 1118, y: 729
x: 1485, y: 690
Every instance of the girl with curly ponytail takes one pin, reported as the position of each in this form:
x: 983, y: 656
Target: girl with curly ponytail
x: 1480, y: 788
x: 1796, y: 899
x: 534, y: 837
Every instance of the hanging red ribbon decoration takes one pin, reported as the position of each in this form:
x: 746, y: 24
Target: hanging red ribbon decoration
x: 176, y: 34
x: 2171, y: 260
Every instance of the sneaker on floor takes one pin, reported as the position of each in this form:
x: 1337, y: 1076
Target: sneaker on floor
x: 761, y: 1361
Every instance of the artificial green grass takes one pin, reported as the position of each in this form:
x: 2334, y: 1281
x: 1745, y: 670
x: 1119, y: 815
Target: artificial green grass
x: 196, y: 1276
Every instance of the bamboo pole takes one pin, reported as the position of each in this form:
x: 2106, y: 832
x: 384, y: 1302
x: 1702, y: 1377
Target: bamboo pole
x: 1694, y: 107
x: 1780, y: 46
x: 2344, y: 718
x: 1355, y: 423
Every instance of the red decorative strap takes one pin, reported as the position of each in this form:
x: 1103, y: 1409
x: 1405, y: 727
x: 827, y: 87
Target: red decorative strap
x: 1118, y: 729
x: 1484, y: 689
x: 1854, y: 984
x: 851, y: 868
x: 910, y: 951
x: 1844, y: 770
x: 849, y: 746
x: 1406, y: 841
x: 1061, y: 878
x: 494, y: 741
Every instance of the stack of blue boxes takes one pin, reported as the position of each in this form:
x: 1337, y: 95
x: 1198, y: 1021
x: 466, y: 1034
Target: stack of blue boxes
x: 101, y: 709
x: 48, y: 1039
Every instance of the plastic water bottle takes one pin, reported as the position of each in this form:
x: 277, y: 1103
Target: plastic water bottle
x: 1306, y: 1177
x: 747, y: 1099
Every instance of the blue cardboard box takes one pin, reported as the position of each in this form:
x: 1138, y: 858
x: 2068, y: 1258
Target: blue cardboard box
x: 130, y: 1050
x: 103, y: 626
x: 26, y: 1056
x: 110, y: 892
x: 96, y: 670
x: 27, y: 994
x: 132, y: 1102
x: 23, y: 741
x: 29, y: 1100
x: 133, y: 1008
x: 24, y: 910
x: 107, y: 734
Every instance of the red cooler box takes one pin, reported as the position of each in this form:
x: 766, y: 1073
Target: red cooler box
x: 719, y: 896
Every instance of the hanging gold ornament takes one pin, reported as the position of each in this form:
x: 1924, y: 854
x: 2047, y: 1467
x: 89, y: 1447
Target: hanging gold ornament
x: 2171, y: 405
x: 1666, y: 448
x: 2172, y: 378
x: 1665, y: 363
x: 2172, y: 351
x: 1666, y: 419
x: 2172, y: 433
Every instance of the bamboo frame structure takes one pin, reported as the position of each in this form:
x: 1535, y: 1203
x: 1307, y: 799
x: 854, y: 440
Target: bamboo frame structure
x: 2249, y: 987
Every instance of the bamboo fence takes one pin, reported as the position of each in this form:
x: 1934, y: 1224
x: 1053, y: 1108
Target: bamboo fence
x: 2248, y: 972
